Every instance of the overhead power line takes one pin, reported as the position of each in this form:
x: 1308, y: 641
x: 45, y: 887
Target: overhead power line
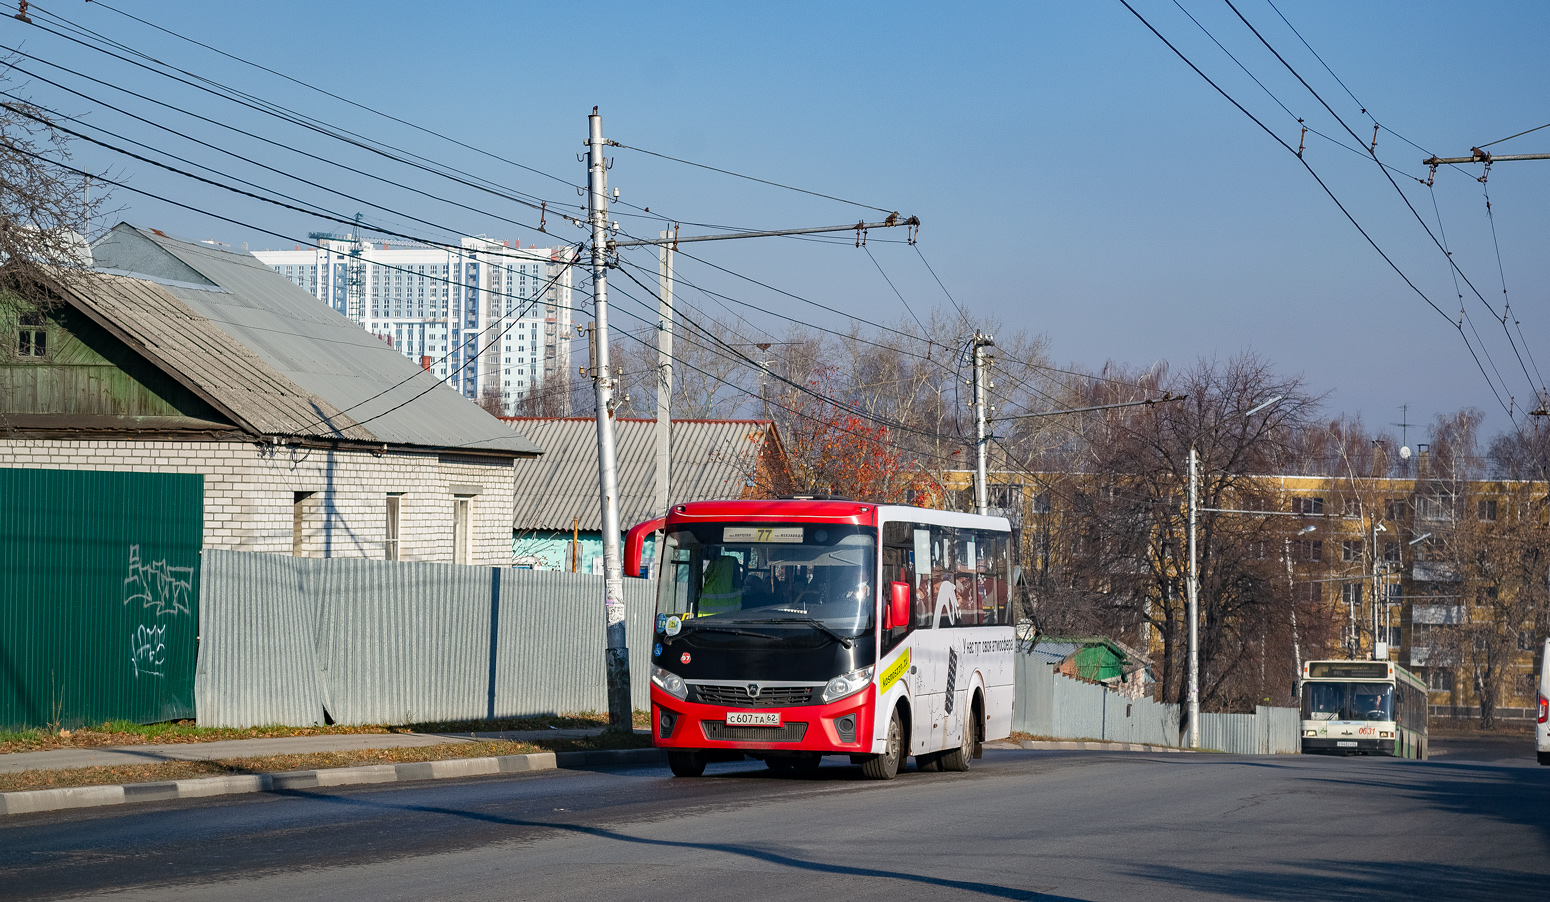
x: 853, y: 203
x: 311, y: 87
x: 1330, y: 193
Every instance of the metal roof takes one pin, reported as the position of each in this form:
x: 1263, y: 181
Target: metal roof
x: 1052, y: 653
x: 305, y: 370
x: 710, y: 459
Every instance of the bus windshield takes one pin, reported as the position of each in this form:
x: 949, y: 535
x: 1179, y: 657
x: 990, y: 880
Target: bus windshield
x: 737, y: 573
x: 1347, y: 701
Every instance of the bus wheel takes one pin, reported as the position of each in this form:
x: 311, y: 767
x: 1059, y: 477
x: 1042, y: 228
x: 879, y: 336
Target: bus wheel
x: 686, y: 764
x: 958, y: 759
x: 886, y: 765
x: 1544, y: 757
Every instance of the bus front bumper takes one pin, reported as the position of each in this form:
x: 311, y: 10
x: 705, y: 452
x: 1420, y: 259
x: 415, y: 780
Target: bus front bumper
x: 843, y: 727
x: 1337, y: 746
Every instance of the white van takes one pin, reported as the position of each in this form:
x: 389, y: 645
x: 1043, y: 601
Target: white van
x: 1542, y: 727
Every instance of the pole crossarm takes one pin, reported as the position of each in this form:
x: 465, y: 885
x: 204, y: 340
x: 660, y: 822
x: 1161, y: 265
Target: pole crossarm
x: 1479, y: 156
x: 891, y: 222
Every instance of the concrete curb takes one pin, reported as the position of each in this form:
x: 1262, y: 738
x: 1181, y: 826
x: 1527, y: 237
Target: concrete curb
x: 1061, y: 745
x: 94, y: 796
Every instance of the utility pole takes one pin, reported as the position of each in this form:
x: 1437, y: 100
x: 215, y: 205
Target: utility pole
x: 1192, y: 585
x: 603, y: 380
x: 664, y: 374
x: 618, y: 655
x: 981, y: 377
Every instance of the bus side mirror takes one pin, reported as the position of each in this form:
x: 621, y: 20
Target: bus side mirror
x: 898, y: 611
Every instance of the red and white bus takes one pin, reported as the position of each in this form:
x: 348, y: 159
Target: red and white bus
x: 790, y: 630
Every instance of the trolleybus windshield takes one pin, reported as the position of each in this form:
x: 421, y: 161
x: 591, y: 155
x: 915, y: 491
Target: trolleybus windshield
x: 749, y: 577
x: 1347, y: 701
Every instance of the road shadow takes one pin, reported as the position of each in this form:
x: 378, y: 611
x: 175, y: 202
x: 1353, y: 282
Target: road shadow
x: 923, y: 882
x: 1514, y: 795
x: 1342, y: 881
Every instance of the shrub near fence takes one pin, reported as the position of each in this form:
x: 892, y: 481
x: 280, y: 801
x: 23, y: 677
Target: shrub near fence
x: 284, y: 640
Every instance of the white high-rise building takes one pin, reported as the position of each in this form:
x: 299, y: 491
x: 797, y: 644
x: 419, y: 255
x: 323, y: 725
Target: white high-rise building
x: 488, y: 318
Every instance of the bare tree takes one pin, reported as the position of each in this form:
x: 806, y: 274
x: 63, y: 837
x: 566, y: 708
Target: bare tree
x: 45, y: 208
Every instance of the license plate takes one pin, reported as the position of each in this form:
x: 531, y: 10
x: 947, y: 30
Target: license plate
x: 1345, y: 744
x: 753, y: 718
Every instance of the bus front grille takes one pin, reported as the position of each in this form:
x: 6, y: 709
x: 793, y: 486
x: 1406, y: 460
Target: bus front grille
x: 768, y: 697
x: 718, y: 731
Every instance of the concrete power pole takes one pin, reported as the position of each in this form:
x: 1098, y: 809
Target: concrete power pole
x: 981, y: 437
x: 1192, y: 584
x: 664, y: 374
x: 618, y: 655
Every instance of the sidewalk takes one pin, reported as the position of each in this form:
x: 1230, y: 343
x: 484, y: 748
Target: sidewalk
x: 28, y: 801
x: 108, y: 756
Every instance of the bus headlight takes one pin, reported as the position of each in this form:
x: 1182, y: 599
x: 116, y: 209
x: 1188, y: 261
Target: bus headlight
x: 671, y: 683
x: 847, y: 684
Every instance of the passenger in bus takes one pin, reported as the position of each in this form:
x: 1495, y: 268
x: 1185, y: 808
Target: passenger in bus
x: 722, y: 591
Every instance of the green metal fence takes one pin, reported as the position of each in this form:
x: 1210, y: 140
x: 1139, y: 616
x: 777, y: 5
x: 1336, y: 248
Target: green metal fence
x: 99, y: 589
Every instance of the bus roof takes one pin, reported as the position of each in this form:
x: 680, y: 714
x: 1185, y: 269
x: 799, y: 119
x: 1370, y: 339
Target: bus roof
x: 857, y: 513
x: 828, y: 510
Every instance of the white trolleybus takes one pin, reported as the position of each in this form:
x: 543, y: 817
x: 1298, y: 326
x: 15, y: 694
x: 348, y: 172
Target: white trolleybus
x: 791, y: 630
x: 1362, y: 708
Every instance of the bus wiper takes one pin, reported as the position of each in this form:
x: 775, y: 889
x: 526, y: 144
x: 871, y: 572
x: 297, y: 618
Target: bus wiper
x: 818, y: 624
x: 730, y: 629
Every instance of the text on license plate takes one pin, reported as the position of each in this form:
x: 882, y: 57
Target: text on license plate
x: 1346, y: 744
x: 753, y: 718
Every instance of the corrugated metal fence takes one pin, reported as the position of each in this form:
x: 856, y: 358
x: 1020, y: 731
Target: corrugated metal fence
x: 285, y: 639
x: 1268, y: 731
x: 1051, y: 704
x: 99, y: 576
x: 1055, y: 705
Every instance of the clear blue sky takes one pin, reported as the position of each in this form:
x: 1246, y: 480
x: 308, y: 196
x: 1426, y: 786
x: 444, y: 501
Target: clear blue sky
x: 1074, y: 177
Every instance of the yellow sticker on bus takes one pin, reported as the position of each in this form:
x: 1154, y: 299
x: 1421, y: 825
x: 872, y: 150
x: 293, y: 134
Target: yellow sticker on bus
x: 897, y: 669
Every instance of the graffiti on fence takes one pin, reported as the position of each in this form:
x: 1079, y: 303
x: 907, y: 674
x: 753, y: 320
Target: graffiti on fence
x: 148, y: 650
x: 158, y: 585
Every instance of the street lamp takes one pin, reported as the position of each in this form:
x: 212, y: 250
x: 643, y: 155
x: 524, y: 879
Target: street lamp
x: 1376, y: 584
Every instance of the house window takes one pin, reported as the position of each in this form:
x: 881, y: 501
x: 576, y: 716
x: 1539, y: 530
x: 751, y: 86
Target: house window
x: 1487, y: 508
x: 1525, y: 640
x: 390, y: 527
x: 1439, y: 679
x: 1393, y: 509
x: 1350, y: 550
x: 32, y: 336
x: 1351, y: 593
x: 1308, y: 551
x: 1391, y: 552
x: 1350, y: 507
x: 1308, y: 506
x: 462, y: 530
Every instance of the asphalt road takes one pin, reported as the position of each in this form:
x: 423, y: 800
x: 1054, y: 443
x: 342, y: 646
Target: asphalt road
x: 1472, y: 823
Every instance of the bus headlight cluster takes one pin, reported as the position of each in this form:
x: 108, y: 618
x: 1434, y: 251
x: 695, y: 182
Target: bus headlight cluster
x: 847, y: 684
x: 671, y: 683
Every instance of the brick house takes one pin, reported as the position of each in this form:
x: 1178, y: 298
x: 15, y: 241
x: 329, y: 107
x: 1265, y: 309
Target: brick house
x: 313, y: 437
